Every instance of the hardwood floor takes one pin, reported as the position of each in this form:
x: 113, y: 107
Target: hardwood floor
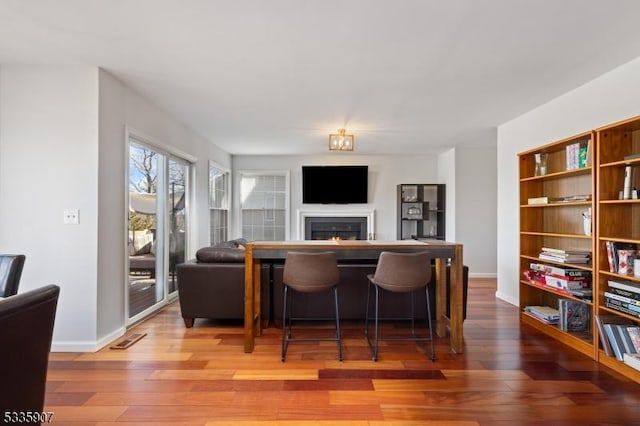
x: 509, y: 375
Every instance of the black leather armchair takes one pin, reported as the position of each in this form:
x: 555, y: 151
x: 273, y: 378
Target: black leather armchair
x: 26, y: 330
x: 10, y: 272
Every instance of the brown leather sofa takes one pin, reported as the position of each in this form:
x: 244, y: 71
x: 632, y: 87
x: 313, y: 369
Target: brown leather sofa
x: 212, y: 287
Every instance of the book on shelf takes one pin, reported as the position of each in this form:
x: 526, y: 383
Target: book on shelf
x: 634, y: 335
x: 574, y: 316
x: 628, y: 307
x: 625, y: 285
x: 619, y: 256
x: 551, y: 200
x: 619, y: 306
x: 577, y: 155
x: 543, y: 200
x: 615, y: 339
x: 544, y: 313
x: 632, y: 360
x: 625, y: 293
x: 573, y: 283
x: 574, y: 198
x: 603, y: 319
x: 627, y: 343
x: 627, y: 300
x: 631, y: 157
x: 560, y: 271
x: 564, y: 259
x: 585, y: 293
x: 566, y: 252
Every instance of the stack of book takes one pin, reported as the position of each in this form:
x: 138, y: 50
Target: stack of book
x: 609, y: 320
x: 551, y: 200
x: 623, y: 296
x: 574, y: 316
x: 577, y: 155
x: 619, y: 339
x: 574, y: 281
x: 545, y: 314
x: 565, y: 256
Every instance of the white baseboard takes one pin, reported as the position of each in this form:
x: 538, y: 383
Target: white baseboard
x: 483, y: 275
x: 86, y: 346
x: 507, y: 298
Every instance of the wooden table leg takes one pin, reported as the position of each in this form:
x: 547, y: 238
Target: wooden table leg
x: 456, y: 304
x: 441, y: 296
x: 249, y: 305
x: 257, y: 298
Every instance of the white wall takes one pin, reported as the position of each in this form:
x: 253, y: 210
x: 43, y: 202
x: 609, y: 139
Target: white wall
x: 385, y: 172
x: 48, y: 163
x: 447, y: 175
x: 610, y: 98
x: 475, y: 209
x: 470, y: 175
x: 62, y: 145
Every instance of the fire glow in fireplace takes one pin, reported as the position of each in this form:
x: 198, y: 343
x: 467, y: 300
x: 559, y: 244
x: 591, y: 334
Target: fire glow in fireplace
x: 335, y: 228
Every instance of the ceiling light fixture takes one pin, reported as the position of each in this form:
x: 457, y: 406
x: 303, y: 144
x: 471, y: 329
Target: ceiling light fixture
x: 340, y: 141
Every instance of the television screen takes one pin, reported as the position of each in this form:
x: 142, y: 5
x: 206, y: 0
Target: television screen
x: 334, y: 184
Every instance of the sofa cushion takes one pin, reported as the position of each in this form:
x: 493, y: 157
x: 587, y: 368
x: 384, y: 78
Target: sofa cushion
x: 220, y: 255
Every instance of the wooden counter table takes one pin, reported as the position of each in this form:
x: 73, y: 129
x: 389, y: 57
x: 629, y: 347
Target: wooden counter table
x: 259, y: 251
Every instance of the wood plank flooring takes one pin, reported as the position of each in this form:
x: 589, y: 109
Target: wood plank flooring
x: 509, y: 375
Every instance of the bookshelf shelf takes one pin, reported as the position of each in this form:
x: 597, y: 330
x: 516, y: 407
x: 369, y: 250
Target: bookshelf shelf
x: 561, y: 204
x: 558, y: 292
x: 556, y: 235
x: 580, y: 342
x: 559, y: 175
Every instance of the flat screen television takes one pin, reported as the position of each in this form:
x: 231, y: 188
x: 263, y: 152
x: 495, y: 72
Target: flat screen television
x: 334, y: 184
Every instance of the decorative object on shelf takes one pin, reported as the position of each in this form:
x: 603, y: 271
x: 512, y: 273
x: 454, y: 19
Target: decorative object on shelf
x: 341, y: 141
x: 626, y: 190
x: 541, y: 164
x: 586, y: 221
x: 414, y: 212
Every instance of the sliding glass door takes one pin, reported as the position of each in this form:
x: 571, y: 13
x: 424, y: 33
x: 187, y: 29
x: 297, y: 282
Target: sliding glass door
x: 157, y: 226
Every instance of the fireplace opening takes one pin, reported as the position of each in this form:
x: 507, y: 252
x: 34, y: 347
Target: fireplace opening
x: 335, y: 228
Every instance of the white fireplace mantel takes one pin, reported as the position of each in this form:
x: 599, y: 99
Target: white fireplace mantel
x: 336, y: 212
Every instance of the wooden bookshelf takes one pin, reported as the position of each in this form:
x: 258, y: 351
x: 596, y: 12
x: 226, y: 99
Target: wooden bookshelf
x: 618, y: 219
x: 558, y: 224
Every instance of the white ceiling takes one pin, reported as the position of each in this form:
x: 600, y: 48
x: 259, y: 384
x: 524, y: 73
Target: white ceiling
x: 276, y: 76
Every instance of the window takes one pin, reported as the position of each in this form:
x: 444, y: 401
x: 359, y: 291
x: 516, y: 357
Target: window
x: 264, y: 205
x: 219, y: 196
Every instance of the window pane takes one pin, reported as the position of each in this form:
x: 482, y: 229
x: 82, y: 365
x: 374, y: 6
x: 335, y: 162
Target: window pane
x: 263, y: 204
x: 218, y: 204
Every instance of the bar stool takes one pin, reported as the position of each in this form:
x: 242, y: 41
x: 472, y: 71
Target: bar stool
x: 309, y: 273
x: 400, y: 273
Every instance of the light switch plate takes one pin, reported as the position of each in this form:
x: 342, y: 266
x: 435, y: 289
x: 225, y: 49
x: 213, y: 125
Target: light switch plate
x: 71, y: 217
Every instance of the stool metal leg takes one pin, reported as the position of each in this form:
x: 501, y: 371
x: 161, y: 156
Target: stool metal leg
x: 285, y: 339
x: 375, y: 352
x: 338, y: 337
x: 432, y: 356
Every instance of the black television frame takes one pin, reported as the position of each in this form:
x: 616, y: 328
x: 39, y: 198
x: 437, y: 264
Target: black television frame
x: 339, y: 184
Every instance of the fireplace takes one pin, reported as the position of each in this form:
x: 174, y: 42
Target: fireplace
x: 335, y: 228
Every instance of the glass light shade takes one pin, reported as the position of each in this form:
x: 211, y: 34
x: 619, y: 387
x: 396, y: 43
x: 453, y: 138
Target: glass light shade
x: 340, y: 141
